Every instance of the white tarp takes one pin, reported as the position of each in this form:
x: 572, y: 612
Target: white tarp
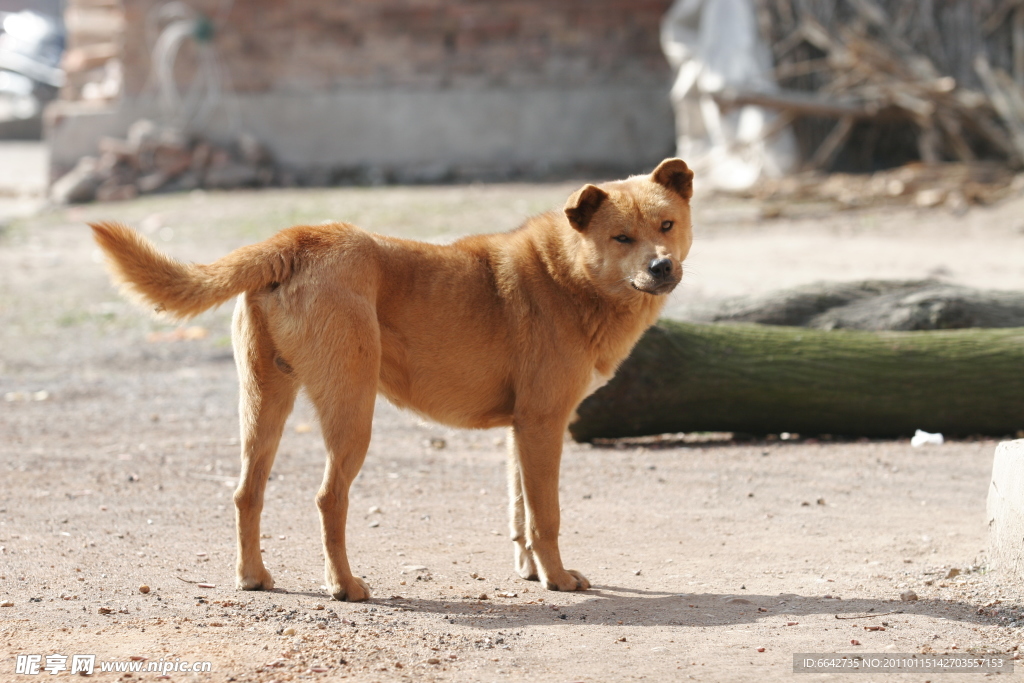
x: 714, y: 46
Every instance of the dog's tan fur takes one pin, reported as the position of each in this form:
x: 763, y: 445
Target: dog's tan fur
x: 510, y: 329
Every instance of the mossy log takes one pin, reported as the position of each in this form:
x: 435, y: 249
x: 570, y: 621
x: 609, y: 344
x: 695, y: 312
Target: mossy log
x: 762, y: 379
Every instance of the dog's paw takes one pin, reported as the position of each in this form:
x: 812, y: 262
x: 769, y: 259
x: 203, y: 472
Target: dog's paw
x: 568, y: 580
x: 526, y: 567
x: 255, y: 581
x: 353, y: 590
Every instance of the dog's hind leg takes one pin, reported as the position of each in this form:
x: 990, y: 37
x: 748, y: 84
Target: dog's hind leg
x: 267, y: 390
x: 525, y: 566
x: 343, y: 390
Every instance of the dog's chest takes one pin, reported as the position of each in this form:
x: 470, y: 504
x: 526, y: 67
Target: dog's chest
x: 597, y: 380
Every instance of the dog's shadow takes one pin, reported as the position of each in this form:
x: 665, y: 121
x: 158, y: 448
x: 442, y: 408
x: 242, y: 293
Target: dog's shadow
x: 615, y: 605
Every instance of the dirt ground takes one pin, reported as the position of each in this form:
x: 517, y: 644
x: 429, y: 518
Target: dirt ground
x: 711, y: 559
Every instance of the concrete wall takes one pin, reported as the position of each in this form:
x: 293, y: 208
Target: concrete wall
x: 414, y: 89
x: 423, y: 135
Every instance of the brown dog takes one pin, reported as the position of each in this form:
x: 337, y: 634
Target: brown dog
x: 509, y: 329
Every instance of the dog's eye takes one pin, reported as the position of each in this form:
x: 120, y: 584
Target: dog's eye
x: 624, y: 239
x: 666, y: 226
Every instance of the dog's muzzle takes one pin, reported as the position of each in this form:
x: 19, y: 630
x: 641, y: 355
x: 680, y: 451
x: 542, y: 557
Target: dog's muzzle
x: 661, y: 277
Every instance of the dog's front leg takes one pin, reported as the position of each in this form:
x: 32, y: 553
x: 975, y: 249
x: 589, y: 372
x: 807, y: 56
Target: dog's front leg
x: 525, y: 565
x: 538, y: 452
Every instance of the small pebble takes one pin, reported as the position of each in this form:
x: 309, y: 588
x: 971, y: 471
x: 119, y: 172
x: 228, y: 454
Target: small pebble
x: 205, y: 585
x: 7, y: 603
x: 143, y: 588
x: 288, y: 631
x: 374, y: 524
x: 854, y: 641
x: 908, y: 596
x: 760, y: 649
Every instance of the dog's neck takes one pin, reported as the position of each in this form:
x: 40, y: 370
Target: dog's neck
x: 612, y: 322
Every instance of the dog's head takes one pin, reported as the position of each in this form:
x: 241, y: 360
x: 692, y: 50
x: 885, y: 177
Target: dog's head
x: 636, y: 232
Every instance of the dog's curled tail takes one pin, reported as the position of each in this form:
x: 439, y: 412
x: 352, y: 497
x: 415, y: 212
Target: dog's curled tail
x: 183, y: 290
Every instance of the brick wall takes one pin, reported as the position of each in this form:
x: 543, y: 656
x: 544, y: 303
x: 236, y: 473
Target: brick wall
x: 317, y: 45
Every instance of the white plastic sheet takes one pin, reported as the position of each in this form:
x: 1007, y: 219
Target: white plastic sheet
x: 715, y: 45
x: 923, y: 438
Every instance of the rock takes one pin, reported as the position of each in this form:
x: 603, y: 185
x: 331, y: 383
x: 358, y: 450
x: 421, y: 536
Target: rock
x: 105, y: 610
x: 143, y: 588
x: 288, y: 631
x: 908, y: 596
x: 873, y: 305
x: 252, y: 151
x: 433, y: 660
x: 79, y: 184
x: 229, y: 175
x: 7, y: 603
x: 926, y: 199
x: 952, y: 573
x: 141, y: 134
x: 155, y: 158
x: 111, y: 191
x: 153, y: 181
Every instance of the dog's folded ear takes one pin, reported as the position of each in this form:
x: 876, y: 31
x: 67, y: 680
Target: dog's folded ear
x: 676, y: 176
x: 583, y: 204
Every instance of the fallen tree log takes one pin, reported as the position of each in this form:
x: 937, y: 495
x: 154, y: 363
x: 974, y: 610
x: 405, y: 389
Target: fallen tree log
x: 762, y: 379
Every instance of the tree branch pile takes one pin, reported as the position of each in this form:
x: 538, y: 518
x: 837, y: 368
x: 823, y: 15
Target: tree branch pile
x: 951, y: 74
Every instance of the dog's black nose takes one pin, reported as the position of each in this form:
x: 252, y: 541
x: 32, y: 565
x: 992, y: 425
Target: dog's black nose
x: 660, y: 267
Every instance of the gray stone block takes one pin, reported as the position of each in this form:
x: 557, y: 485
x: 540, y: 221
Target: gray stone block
x: 1006, y: 510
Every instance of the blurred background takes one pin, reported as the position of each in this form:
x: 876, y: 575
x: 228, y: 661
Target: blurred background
x: 142, y: 96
